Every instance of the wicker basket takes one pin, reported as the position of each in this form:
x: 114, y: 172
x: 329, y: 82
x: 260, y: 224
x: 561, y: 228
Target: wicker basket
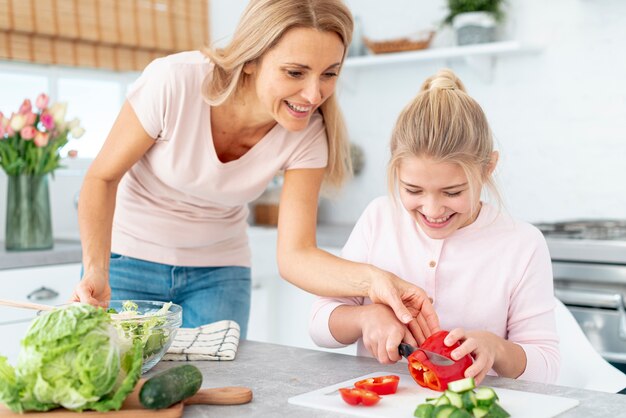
x: 400, y: 44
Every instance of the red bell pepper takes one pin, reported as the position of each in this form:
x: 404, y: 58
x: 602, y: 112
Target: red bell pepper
x: 383, y: 385
x: 430, y: 375
x: 355, y: 396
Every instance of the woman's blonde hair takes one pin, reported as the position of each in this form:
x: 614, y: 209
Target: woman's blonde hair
x: 262, y: 25
x: 445, y: 124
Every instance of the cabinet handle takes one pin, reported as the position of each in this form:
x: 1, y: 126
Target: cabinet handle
x: 43, y: 293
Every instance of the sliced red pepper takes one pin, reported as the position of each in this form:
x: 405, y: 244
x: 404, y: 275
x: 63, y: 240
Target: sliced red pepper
x: 355, y: 396
x: 382, y: 385
x: 430, y: 375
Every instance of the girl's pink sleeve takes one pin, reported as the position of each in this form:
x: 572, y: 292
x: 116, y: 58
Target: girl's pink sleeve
x: 531, y: 321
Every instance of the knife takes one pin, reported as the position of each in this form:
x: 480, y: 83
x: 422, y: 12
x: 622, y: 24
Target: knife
x: 406, y: 350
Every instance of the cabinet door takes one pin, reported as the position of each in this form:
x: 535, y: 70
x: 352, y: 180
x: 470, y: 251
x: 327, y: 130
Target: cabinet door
x: 48, y: 285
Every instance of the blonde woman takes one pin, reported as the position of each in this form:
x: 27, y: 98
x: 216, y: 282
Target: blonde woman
x: 163, y: 207
x: 490, y: 276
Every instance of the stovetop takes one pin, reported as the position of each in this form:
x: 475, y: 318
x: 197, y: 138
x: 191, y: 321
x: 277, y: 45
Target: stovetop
x: 586, y: 240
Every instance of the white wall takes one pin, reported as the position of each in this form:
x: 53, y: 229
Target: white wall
x: 559, y: 116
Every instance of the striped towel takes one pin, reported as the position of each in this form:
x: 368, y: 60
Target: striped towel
x: 216, y: 341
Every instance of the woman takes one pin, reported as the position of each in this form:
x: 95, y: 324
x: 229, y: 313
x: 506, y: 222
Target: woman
x: 198, y: 138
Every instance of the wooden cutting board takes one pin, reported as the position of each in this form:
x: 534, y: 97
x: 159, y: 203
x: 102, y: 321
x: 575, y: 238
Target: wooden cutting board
x: 409, y: 395
x: 132, y: 408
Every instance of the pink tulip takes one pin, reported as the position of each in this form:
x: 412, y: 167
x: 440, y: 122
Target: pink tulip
x: 1, y: 131
x: 28, y: 132
x: 47, y: 120
x: 30, y: 118
x: 41, y: 139
x: 26, y: 107
x: 42, y: 101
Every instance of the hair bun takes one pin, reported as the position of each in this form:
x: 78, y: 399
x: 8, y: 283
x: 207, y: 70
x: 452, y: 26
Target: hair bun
x: 445, y: 79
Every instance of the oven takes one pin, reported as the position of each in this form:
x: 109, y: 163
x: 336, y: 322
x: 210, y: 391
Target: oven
x: 589, y: 266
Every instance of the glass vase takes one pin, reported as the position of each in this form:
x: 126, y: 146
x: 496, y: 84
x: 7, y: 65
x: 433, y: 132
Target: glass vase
x: 29, y: 221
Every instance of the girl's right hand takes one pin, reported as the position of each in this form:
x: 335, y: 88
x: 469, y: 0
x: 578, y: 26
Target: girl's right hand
x: 382, y: 333
x: 410, y: 303
x: 93, y: 289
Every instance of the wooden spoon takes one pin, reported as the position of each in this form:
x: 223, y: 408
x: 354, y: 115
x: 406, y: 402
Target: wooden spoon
x: 40, y: 307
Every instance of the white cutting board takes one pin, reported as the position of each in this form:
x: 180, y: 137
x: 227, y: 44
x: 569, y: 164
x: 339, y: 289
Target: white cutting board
x: 410, y: 394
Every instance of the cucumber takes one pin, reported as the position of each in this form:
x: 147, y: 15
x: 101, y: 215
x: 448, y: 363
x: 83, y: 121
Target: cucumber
x: 424, y: 410
x: 479, y: 412
x: 455, y: 398
x: 485, y: 397
x: 462, y: 385
x: 443, y: 411
x: 442, y: 400
x: 469, y: 400
x: 171, y: 386
x: 496, y: 411
x: 461, y: 413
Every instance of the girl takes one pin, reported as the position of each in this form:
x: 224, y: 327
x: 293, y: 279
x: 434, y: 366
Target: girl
x: 489, y: 276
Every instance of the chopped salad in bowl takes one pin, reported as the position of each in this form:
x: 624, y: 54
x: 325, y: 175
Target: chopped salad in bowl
x: 152, y: 323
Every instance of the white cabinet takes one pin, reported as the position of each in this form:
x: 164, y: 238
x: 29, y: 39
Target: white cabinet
x: 48, y: 285
x: 280, y: 311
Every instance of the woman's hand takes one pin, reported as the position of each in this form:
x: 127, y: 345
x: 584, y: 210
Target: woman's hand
x: 407, y: 301
x: 382, y: 332
x: 93, y: 289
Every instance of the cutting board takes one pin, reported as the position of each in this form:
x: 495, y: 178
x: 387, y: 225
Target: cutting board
x: 409, y: 395
x: 132, y: 408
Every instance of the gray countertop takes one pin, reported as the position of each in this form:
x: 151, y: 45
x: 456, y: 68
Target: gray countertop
x: 275, y: 373
x: 65, y: 251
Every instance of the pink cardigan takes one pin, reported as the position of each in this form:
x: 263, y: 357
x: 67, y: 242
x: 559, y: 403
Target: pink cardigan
x: 492, y: 275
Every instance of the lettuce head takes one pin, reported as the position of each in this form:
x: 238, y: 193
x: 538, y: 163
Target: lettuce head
x: 71, y: 357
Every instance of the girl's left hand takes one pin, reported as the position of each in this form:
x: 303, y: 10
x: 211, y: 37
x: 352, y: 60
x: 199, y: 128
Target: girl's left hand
x: 482, y: 345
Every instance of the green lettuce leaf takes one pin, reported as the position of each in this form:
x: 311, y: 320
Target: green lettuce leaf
x: 75, y: 358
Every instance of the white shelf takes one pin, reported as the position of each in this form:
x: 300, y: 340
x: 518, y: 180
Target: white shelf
x: 469, y: 52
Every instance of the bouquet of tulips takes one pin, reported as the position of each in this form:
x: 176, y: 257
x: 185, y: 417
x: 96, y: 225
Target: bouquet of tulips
x: 32, y: 138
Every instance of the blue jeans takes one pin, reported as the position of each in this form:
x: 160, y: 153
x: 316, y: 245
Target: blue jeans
x: 207, y: 294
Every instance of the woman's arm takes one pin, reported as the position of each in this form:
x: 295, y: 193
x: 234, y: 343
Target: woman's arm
x: 126, y: 144
x: 303, y: 264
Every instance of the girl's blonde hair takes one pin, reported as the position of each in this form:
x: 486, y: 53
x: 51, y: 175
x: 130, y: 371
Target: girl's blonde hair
x: 262, y: 25
x: 445, y: 124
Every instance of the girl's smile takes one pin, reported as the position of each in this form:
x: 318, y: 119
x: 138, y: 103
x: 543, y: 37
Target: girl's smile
x: 437, y: 195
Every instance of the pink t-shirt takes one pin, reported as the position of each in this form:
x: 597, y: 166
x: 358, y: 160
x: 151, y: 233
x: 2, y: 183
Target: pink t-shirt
x: 494, y: 274
x: 179, y: 204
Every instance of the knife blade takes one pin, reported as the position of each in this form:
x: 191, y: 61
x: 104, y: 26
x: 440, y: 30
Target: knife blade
x: 406, y: 350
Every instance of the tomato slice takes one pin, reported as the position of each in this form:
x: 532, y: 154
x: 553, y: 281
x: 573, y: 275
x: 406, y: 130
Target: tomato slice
x: 355, y: 396
x: 382, y: 385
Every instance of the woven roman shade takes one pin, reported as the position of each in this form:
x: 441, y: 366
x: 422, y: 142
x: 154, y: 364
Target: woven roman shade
x: 121, y: 35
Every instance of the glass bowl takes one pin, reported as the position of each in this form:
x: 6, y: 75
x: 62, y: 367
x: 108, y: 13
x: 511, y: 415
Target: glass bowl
x: 155, y: 330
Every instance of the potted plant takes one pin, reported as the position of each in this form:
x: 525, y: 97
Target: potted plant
x: 474, y: 21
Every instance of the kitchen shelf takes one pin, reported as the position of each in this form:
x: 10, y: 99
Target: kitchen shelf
x: 479, y: 56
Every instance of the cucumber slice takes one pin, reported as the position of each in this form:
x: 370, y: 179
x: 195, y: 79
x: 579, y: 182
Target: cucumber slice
x: 424, y: 410
x: 469, y: 400
x: 455, y: 398
x: 443, y: 411
x: 462, y: 385
x: 442, y: 400
x: 479, y: 412
x: 461, y: 413
x: 485, y: 397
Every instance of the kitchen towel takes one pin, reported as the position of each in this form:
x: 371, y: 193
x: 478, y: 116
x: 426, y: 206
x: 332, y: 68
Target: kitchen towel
x: 217, y: 341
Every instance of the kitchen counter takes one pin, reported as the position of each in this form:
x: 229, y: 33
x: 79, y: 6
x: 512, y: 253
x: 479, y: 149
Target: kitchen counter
x: 275, y: 373
x: 65, y: 251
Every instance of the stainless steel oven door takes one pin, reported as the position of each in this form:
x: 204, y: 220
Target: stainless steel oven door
x: 602, y: 318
